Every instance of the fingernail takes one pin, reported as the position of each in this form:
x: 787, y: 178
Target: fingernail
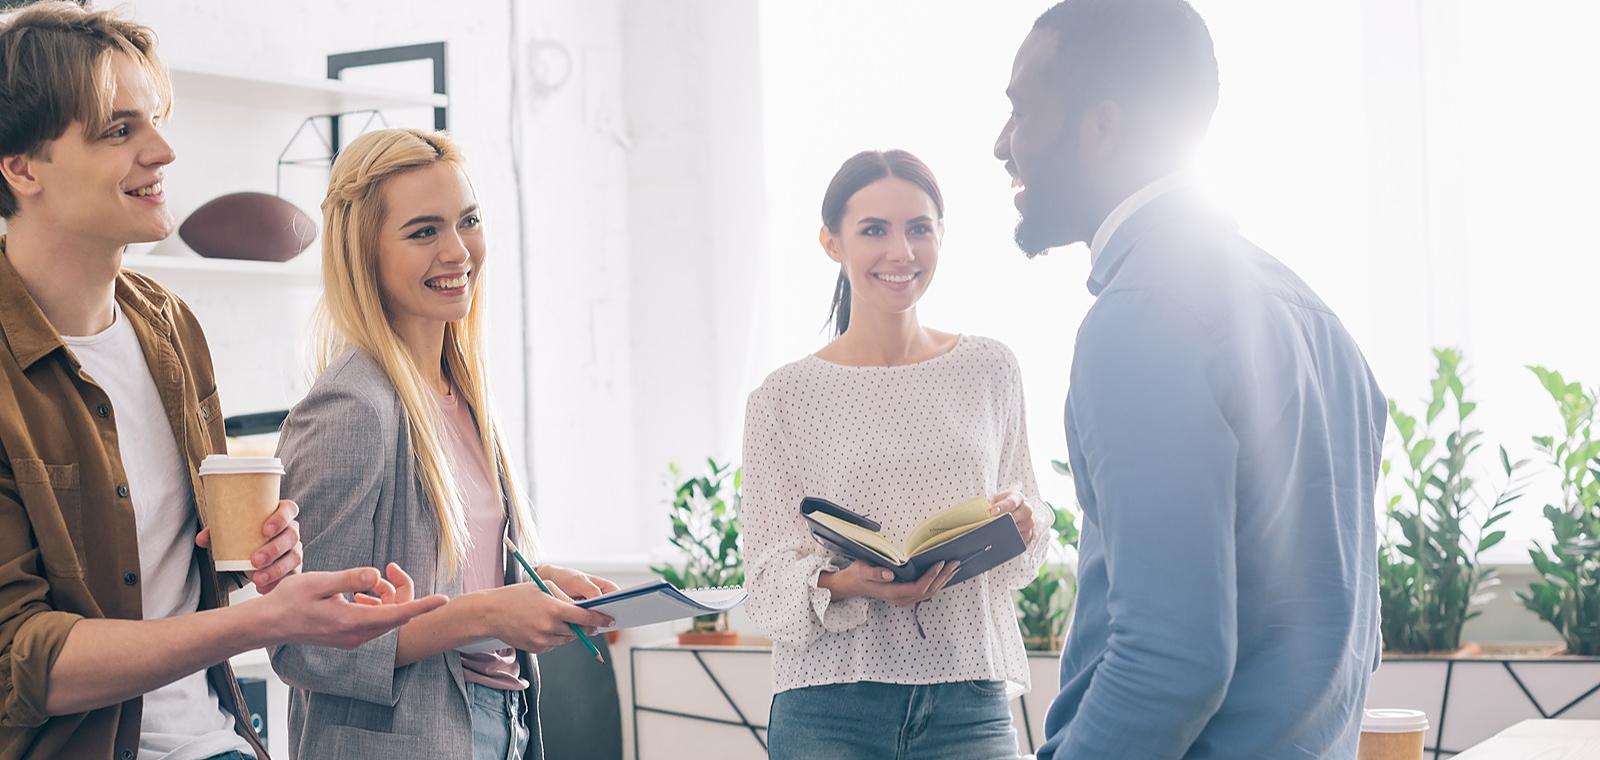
x: 887, y: 575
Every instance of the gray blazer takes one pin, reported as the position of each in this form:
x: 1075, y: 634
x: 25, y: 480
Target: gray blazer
x: 347, y: 451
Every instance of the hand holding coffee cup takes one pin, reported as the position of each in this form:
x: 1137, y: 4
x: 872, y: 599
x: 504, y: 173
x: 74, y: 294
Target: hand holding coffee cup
x: 247, y: 527
x: 281, y: 556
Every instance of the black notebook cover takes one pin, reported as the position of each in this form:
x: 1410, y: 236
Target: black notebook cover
x: 978, y: 552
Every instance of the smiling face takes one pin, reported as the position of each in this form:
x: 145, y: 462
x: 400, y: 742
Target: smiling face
x: 1042, y: 150
x: 1106, y: 97
x: 888, y: 243
x: 104, y: 183
x: 430, y: 245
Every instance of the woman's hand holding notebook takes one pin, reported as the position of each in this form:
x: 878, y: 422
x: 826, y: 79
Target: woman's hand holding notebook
x: 646, y: 604
x: 967, y: 533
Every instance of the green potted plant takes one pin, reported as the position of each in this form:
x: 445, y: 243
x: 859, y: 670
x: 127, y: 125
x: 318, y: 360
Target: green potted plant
x: 705, y: 532
x: 1567, y: 594
x: 1044, y: 605
x: 1431, y: 578
x: 1471, y: 695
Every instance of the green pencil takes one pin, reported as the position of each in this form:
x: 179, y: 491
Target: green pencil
x: 536, y: 579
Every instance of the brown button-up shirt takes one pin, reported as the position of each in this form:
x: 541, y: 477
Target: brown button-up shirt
x: 68, y: 545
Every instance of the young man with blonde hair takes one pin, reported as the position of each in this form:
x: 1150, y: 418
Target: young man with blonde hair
x: 114, y: 624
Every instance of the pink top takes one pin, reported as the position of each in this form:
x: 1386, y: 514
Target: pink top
x: 486, y: 524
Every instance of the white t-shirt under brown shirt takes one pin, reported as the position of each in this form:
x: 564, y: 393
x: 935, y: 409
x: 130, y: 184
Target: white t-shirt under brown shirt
x: 182, y: 720
x: 896, y: 444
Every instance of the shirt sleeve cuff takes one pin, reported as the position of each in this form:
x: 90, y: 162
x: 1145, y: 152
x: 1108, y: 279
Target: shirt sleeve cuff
x: 836, y: 616
x: 27, y: 667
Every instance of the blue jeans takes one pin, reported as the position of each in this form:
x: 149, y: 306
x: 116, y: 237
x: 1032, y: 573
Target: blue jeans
x: 966, y: 720
x: 232, y: 755
x: 498, y: 730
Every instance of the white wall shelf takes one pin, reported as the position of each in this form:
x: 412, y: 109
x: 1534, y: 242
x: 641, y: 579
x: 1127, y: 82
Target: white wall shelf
x: 299, y: 94
x: 297, y: 272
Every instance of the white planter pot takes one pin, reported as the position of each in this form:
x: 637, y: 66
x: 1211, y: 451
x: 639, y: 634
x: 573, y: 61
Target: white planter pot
x: 1469, y: 699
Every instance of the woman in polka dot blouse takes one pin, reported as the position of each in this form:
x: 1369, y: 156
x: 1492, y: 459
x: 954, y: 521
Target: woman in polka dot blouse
x: 895, y: 421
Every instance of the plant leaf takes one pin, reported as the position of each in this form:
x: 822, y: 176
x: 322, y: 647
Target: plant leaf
x: 1491, y: 540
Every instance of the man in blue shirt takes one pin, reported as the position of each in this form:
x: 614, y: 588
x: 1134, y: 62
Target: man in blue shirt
x: 1224, y: 430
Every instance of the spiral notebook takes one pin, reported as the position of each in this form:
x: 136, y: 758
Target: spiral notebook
x: 646, y: 604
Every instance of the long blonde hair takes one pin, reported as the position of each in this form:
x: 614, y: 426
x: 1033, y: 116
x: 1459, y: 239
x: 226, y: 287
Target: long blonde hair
x: 352, y: 315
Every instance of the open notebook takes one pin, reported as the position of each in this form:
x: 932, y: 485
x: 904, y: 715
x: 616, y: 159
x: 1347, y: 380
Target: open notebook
x: 964, y: 533
x: 646, y: 604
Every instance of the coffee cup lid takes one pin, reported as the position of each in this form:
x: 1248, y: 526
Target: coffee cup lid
x: 1390, y: 721
x: 222, y: 464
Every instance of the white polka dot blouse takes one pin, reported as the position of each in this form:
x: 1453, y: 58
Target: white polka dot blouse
x: 896, y: 444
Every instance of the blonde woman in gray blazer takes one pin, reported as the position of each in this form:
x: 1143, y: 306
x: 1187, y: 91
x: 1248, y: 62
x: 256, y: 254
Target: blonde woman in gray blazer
x: 396, y: 445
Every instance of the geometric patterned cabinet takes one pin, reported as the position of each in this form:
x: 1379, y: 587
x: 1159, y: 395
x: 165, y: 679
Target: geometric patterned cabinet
x: 712, y: 702
x: 1469, y: 699
x: 1027, y: 714
x: 708, y: 702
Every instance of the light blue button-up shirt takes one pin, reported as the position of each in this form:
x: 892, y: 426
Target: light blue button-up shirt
x: 1225, y: 436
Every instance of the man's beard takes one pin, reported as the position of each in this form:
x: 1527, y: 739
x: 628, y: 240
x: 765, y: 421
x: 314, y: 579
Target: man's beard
x: 1028, y: 239
x: 1042, y: 225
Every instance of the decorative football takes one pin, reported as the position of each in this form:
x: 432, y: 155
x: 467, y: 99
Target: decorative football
x: 254, y: 226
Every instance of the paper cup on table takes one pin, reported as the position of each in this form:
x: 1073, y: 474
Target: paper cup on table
x: 241, y: 493
x: 1392, y: 734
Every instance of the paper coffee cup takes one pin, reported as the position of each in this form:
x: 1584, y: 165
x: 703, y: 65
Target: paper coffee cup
x: 241, y: 493
x: 1392, y: 734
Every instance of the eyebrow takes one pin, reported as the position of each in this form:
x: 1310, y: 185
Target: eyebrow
x: 876, y: 220
x: 435, y: 219
x: 116, y: 116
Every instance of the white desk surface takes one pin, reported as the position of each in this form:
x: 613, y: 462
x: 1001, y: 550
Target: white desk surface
x: 1541, y: 740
